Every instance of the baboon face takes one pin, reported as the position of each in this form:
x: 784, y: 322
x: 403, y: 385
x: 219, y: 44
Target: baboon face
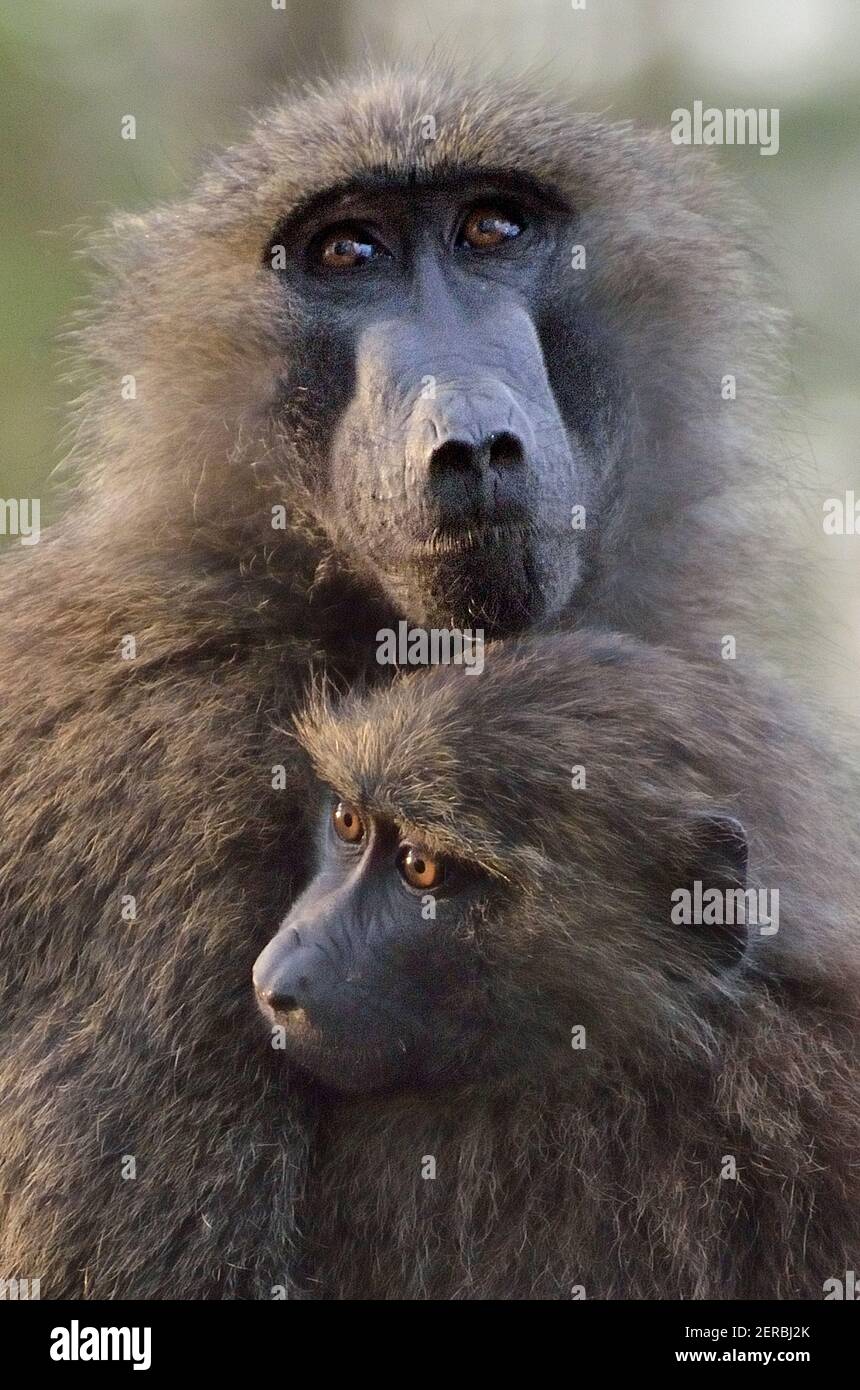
x: 470, y: 909
x: 451, y: 472
x: 374, y: 976
x: 401, y: 966
x: 443, y: 336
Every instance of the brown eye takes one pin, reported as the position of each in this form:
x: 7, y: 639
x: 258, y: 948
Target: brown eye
x: 487, y: 228
x: 348, y: 825
x: 346, y: 248
x: 419, y: 869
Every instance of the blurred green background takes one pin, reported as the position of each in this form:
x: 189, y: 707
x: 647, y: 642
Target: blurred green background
x: 189, y: 70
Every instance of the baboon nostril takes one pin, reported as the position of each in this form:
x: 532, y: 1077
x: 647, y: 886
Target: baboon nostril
x: 455, y: 457
x: 502, y: 450
x: 505, y: 450
x: 281, y: 1003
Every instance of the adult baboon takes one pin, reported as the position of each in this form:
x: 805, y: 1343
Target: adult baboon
x: 552, y: 1078
x: 362, y: 373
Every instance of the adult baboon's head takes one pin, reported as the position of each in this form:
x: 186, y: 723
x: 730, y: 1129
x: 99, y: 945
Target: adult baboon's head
x: 469, y: 341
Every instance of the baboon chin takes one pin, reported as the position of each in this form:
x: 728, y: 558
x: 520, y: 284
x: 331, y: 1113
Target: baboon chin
x: 560, y: 938
x: 501, y: 581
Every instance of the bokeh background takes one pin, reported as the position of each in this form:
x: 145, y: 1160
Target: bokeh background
x: 189, y: 70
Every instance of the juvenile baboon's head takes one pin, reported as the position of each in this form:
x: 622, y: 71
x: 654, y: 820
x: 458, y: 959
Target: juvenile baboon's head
x: 467, y: 339
x: 495, y: 872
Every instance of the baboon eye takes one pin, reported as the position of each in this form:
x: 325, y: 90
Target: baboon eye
x: 348, y: 824
x: 420, y: 869
x: 488, y: 227
x: 346, y: 248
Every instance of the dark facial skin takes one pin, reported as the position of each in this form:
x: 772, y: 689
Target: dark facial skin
x: 374, y: 991
x: 370, y: 989
x: 452, y: 470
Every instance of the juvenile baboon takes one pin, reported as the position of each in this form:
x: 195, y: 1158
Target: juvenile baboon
x: 552, y: 1080
x: 372, y: 368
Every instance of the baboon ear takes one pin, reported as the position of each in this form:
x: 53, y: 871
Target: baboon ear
x: 725, y: 851
x: 716, y: 855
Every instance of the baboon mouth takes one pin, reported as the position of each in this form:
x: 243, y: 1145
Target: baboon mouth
x: 295, y: 1019
x: 346, y: 1070
x: 489, y: 579
x: 337, y: 1064
x: 481, y: 536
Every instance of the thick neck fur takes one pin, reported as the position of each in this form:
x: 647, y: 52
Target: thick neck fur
x: 613, y: 1186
